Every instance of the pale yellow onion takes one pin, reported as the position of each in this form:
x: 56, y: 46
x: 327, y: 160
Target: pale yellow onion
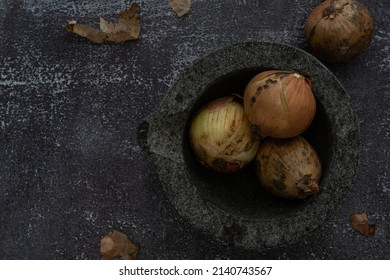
x: 221, y: 137
x: 288, y: 168
x: 279, y: 104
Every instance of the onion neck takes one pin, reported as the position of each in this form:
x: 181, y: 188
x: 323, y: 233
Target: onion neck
x: 307, y: 186
x: 335, y: 7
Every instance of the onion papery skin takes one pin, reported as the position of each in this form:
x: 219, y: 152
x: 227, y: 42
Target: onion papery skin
x: 288, y: 168
x: 221, y: 137
x: 279, y: 104
x: 340, y: 32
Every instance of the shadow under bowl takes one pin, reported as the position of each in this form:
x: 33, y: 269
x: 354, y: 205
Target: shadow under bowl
x: 234, y: 208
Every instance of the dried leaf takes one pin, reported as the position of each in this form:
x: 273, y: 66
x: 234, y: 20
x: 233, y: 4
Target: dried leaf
x: 116, y: 244
x: 180, y: 7
x: 127, y: 28
x: 361, y: 223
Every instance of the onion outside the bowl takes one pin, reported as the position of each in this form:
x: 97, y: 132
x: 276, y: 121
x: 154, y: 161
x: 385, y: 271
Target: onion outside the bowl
x: 279, y: 104
x: 338, y: 30
x: 221, y: 137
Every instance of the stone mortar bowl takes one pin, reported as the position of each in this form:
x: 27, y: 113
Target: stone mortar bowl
x: 233, y: 208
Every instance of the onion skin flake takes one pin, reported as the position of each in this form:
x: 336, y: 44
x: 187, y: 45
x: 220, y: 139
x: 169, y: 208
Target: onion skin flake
x: 362, y: 224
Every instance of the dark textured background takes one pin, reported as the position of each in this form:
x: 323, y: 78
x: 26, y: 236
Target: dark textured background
x: 71, y: 169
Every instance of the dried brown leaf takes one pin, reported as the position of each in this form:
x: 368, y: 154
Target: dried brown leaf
x: 127, y: 28
x: 116, y: 244
x: 180, y: 7
x: 361, y: 223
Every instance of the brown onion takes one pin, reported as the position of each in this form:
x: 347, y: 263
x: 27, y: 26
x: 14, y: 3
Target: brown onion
x: 289, y: 168
x: 279, y: 104
x: 221, y: 137
x: 338, y: 30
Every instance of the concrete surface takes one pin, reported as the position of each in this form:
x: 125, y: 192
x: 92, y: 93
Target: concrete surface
x: 71, y: 168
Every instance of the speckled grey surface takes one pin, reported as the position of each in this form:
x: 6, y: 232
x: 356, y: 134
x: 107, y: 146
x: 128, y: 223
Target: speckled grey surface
x: 232, y: 208
x: 71, y: 167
